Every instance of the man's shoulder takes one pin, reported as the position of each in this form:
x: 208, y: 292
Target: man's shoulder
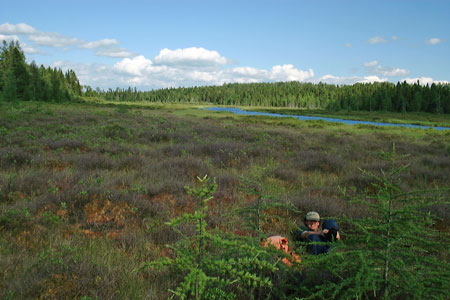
x: 298, y: 233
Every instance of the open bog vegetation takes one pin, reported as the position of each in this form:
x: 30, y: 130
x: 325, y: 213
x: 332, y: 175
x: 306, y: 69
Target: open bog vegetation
x: 86, y: 191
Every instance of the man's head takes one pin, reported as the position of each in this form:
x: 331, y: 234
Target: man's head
x: 312, y: 220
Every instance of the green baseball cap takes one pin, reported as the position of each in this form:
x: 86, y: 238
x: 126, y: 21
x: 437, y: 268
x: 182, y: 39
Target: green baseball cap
x: 312, y: 216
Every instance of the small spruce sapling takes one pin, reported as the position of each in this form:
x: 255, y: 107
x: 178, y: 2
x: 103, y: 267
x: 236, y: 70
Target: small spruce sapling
x: 216, y: 265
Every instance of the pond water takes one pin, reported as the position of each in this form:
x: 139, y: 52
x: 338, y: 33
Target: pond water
x: 350, y: 122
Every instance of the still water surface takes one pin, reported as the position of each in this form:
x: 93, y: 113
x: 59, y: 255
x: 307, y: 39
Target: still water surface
x: 350, y: 122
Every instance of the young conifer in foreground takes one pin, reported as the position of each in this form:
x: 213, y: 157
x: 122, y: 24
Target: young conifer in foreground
x: 395, y: 253
x: 216, y: 265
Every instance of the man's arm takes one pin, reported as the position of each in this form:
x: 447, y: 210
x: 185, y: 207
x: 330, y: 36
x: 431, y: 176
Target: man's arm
x: 306, y: 234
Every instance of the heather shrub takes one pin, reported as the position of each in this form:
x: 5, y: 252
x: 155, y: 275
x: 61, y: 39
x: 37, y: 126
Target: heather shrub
x: 310, y: 160
x: 429, y: 173
x: 33, y: 182
x: 285, y: 173
x: 92, y: 161
x: 115, y: 149
x: 116, y: 131
x: 66, y: 144
x: 12, y: 156
x: 228, y: 185
x: 133, y: 162
x: 61, y: 272
x: 15, y: 219
x: 314, y: 200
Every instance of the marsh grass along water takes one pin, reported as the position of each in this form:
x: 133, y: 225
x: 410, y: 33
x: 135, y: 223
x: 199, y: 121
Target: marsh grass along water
x: 307, y: 118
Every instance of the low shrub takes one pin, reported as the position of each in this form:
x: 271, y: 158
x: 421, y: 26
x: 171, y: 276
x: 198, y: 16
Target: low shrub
x: 66, y: 144
x: 92, y: 161
x: 11, y: 157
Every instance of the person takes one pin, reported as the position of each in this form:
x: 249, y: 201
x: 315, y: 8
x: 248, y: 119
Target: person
x: 312, y: 233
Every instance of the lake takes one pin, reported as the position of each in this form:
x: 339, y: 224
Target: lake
x: 306, y: 118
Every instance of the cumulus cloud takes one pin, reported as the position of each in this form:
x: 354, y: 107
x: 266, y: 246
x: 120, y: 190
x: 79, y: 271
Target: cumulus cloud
x: 146, y: 74
x: 190, y: 57
x: 377, y: 40
x: 290, y: 73
x: 134, y: 66
x: 434, y: 41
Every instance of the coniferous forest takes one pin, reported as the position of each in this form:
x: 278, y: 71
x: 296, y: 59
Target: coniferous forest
x: 378, y: 96
x: 22, y: 81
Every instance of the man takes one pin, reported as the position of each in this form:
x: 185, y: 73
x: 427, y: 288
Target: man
x: 311, y: 233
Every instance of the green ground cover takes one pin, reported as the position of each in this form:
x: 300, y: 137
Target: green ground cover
x: 86, y: 188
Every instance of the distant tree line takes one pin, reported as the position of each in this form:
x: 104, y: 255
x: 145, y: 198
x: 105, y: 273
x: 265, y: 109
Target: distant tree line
x: 22, y: 81
x: 377, y: 96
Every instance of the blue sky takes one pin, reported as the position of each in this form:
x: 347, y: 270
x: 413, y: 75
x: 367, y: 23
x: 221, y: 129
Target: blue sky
x: 157, y: 44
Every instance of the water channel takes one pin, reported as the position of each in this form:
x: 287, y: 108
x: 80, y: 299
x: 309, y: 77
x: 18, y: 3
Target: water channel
x: 305, y: 118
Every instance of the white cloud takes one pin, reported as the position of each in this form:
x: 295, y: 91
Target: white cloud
x: 434, y: 41
x: 290, y: 73
x: 190, y: 57
x: 114, y: 53
x: 248, y: 71
x: 371, y: 64
x: 9, y: 38
x: 99, y: 44
x: 391, y: 72
x: 53, y: 40
x: 377, y: 40
x: 104, y: 47
x: 348, y: 45
x: 331, y: 79
x: 424, y: 80
x: 375, y: 68
x: 142, y: 72
x: 370, y: 79
x: 20, y: 28
x: 135, y: 66
x: 394, y: 38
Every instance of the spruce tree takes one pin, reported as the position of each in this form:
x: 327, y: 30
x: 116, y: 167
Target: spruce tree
x: 219, y: 265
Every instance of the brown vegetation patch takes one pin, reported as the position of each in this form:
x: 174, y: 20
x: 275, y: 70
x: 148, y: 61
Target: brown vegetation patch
x: 58, y: 286
x: 104, y: 211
